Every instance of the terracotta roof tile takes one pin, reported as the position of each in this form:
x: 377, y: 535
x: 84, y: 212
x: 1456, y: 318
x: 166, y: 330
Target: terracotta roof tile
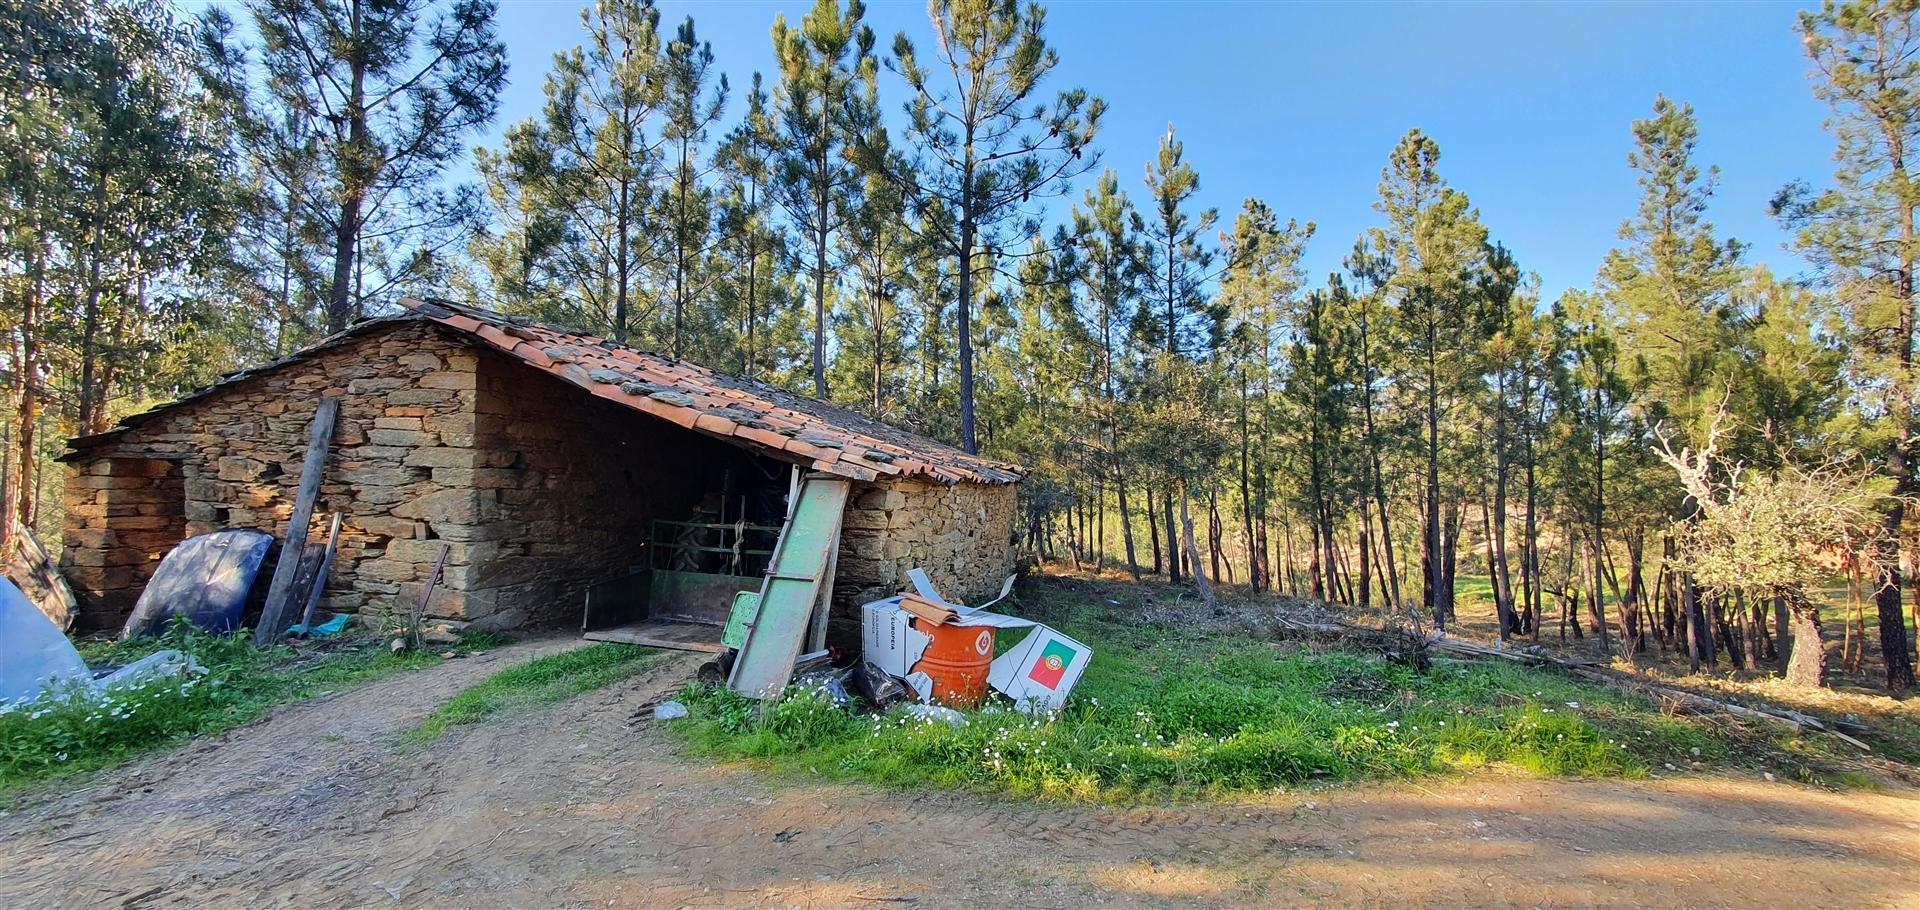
x: 827, y: 437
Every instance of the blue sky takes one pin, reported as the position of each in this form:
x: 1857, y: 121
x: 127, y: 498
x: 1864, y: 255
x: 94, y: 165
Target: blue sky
x: 1299, y: 104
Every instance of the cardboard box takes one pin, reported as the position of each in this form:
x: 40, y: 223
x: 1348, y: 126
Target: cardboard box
x: 1038, y: 673
x: 888, y: 639
x: 1040, y: 670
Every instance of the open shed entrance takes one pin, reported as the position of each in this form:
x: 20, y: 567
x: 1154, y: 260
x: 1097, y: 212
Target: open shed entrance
x: 697, y: 566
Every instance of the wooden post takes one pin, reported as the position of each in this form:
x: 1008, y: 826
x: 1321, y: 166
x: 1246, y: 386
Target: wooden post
x: 419, y: 616
x: 320, y: 579
x: 274, y: 618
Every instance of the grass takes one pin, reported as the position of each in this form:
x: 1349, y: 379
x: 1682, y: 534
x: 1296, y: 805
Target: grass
x: 1174, y: 710
x: 68, y: 733
x: 540, y: 681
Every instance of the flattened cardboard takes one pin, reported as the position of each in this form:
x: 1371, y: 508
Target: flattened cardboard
x: 1040, y: 670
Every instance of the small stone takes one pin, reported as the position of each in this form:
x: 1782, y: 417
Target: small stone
x: 635, y: 387
x: 669, y: 396
x: 562, y: 354
x: 605, y: 376
x: 876, y: 455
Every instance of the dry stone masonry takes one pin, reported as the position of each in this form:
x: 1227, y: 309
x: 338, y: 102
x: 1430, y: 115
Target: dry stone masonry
x: 536, y: 486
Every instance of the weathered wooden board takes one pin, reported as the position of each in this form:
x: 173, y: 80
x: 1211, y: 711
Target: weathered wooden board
x: 660, y: 633
x: 278, y: 613
x: 792, y: 587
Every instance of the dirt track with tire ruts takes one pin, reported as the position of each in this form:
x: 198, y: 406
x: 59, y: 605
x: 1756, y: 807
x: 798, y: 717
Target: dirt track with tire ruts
x: 316, y: 806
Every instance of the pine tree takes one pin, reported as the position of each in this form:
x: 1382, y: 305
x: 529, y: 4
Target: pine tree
x: 1437, y: 245
x: 1861, y: 235
x: 576, y: 185
x: 879, y: 247
x: 119, y: 196
x: 1594, y: 401
x: 752, y: 245
x: 1176, y: 322
x: 692, y: 101
x: 1107, y: 266
x: 823, y: 63
x: 390, y: 89
x: 988, y: 151
x: 1670, y: 290
x: 1257, y: 290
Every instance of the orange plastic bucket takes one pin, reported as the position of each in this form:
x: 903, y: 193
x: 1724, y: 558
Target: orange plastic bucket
x: 957, y: 661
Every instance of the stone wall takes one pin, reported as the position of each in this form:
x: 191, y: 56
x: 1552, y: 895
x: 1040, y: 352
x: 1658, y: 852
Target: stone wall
x: 123, y: 515
x: 400, y: 448
x: 962, y: 535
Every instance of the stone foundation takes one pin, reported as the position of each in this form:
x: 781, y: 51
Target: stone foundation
x: 123, y: 515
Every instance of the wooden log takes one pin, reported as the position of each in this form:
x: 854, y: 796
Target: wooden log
x: 278, y: 613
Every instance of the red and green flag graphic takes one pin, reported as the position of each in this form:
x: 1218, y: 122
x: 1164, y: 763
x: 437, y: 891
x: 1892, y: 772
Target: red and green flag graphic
x: 1052, y: 664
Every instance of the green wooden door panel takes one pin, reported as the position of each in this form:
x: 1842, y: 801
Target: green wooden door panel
x: 791, y: 589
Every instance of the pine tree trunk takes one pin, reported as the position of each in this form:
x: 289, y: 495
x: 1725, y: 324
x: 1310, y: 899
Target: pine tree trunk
x: 1364, y: 589
x: 1153, y: 529
x: 1286, y: 538
x: 1193, y: 553
x: 1783, y: 644
x: 1173, y: 536
x: 1126, y: 521
x: 1255, y: 571
x: 1099, y: 527
x: 1807, y: 664
x: 1502, y: 608
x: 1215, y: 533
x: 1886, y: 600
x: 354, y: 178
x: 18, y: 500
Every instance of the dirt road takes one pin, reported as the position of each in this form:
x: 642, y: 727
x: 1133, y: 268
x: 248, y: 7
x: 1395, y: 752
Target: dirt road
x: 571, y: 808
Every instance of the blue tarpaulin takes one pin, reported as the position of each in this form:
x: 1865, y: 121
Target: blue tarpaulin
x: 205, y: 579
x: 33, y: 653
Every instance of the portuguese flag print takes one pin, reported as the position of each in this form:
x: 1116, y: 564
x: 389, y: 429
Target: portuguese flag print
x: 1052, y: 664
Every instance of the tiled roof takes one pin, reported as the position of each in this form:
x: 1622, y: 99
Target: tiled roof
x: 828, y: 438
x: 747, y: 413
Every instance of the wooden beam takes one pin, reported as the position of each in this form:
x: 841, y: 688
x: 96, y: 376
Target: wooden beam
x: 278, y: 612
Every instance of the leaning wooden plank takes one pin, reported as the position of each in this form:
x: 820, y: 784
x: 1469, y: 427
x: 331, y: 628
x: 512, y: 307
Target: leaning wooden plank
x: 419, y: 615
x: 278, y: 613
x: 823, y: 604
x: 319, y: 585
x: 792, y: 586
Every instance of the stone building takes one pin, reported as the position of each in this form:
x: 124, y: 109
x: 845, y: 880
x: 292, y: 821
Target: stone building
x: 548, y: 464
